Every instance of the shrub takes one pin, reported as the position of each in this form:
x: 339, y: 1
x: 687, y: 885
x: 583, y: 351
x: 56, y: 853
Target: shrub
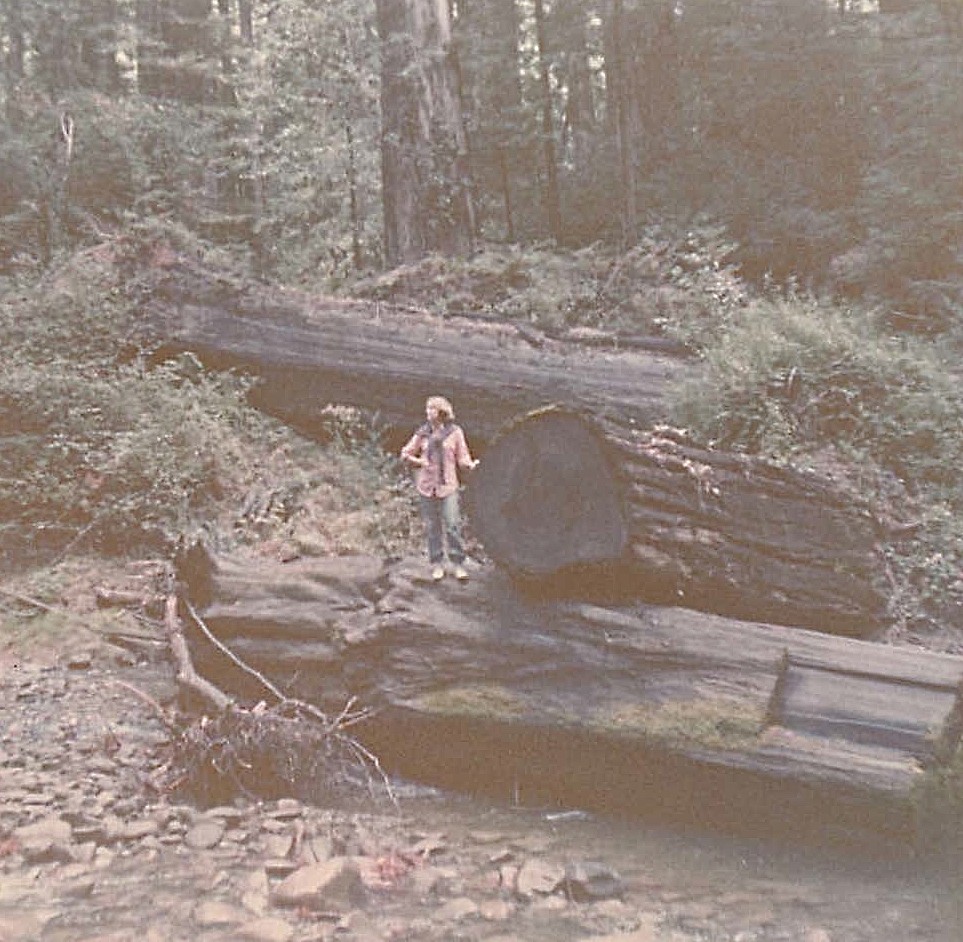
x: 798, y: 379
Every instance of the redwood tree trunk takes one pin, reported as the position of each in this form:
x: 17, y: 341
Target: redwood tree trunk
x: 553, y: 207
x: 427, y: 199
x: 559, y: 499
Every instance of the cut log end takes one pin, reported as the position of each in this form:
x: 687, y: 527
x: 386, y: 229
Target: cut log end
x: 562, y: 497
x: 546, y: 499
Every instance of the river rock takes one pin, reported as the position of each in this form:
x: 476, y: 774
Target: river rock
x: 45, y: 841
x: 268, y: 929
x: 336, y: 882
x: 210, y: 913
x: 496, y: 910
x: 255, y: 893
x: 278, y: 845
x: 205, y: 834
x: 538, y: 877
x: 138, y: 830
x: 588, y: 881
x: 23, y: 925
x: 646, y: 933
x: 287, y: 809
x: 456, y: 910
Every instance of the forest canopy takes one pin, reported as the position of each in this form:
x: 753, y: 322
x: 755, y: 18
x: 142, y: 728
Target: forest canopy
x: 822, y: 135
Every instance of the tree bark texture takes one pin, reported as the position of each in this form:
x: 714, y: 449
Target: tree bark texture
x: 484, y: 683
x: 658, y: 517
x: 308, y: 351
x: 553, y: 206
x: 426, y: 197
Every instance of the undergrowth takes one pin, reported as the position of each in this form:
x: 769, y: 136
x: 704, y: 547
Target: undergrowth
x: 819, y: 385
x: 665, y: 285
x: 104, y: 451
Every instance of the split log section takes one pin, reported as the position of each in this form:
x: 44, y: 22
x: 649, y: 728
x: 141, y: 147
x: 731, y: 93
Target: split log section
x: 638, y: 707
x: 647, y: 513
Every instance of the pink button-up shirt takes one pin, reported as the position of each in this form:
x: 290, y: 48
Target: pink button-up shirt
x: 439, y: 478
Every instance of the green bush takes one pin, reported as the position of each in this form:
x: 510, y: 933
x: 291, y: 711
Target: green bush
x: 94, y: 444
x: 798, y: 379
x: 787, y: 375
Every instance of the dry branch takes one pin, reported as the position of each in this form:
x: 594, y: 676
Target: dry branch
x: 259, y: 750
x: 187, y: 676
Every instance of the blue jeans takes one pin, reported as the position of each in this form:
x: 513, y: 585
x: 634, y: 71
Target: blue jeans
x: 443, y: 522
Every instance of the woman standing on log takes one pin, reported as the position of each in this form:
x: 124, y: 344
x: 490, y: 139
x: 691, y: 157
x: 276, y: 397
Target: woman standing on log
x: 438, y: 449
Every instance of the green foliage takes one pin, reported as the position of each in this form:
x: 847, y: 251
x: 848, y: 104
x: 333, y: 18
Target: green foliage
x: 96, y: 447
x: 99, y: 450
x: 817, y: 374
x: 799, y: 379
x: 369, y: 486
x: 668, y: 284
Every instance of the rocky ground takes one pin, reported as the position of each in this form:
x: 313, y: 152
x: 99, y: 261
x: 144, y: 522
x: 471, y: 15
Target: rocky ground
x: 91, y: 850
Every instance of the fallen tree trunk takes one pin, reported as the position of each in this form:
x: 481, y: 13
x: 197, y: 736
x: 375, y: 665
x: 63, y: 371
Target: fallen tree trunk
x: 480, y: 685
x: 308, y: 351
x: 652, y: 515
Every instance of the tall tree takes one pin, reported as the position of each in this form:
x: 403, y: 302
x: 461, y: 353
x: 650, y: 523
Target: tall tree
x: 487, y: 33
x: 618, y: 106
x: 553, y: 203
x: 426, y: 193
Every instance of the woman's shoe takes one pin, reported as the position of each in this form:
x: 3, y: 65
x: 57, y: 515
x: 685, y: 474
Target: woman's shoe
x: 461, y: 574
x: 438, y: 573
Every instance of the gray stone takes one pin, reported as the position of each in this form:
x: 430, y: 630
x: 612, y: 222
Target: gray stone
x: 268, y: 929
x: 138, y: 830
x: 45, y: 841
x: 456, y: 910
x: 210, y: 913
x: 279, y: 866
x: 538, y: 877
x: 23, y: 925
x: 336, y: 883
x: 588, y: 880
x: 278, y: 845
x: 286, y: 809
x: 205, y: 835
x: 645, y: 933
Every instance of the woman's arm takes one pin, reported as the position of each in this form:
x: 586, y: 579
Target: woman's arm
x: 411, y: 453
x: 462, y: 454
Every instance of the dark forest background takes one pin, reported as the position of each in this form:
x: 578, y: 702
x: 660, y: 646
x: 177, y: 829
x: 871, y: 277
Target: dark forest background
x: 824, y: 138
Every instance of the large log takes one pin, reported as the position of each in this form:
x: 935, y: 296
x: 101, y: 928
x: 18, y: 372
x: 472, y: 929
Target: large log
x: 482, y: 685
x: 657, y: 517
x: 307, y: 351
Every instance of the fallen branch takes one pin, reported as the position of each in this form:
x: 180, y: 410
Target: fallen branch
x: 161, y: 713
x: 187, y: 677
x: 268, y: 744
x: 27, y: 600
